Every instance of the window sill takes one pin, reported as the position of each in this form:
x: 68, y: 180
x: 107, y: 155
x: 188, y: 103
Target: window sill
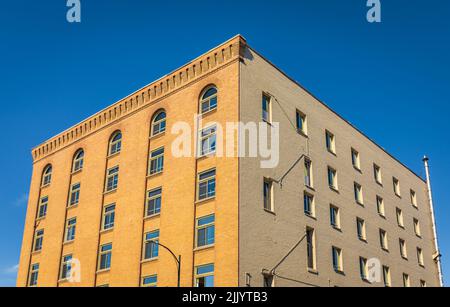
x: 153, y: 216
x: 363, y: 240
x: 385, y: 249
x: 302, y: 133
x: 419, y: 236
x: 357, y: 169
x: 422, y: 266
x: 62, y: 281
x: 104, y: 231
x: 337, y: 228
x: 404, y: 258
x: 415, y: 207
x: 45, y: 186
x: 109, y: 192
x: 398, y: 195
x: 205, y: 200
x: 113, y: 155
x: 364, y: 279
x: 269, y: 123
x: 149, y: 260
x: 154, y: 175
x: 202, y: 248
x: 379, y: 183
x: 211, y: 111
x: 401, y: 226
x: 311, y: 216
x: 360, y: 203
x: 72, y: 206
x: 310, y: 188
x: 269, y: 211
x: 103, y: 271
x: 40, y: 219
x: 313, y: 271
x: 157, y: 136
x: 68, y: 242
x: 76, y: 172
x: 382, y: 216
x: 334, y: 189
x: 36, y: 252
x: 339, y: 272
x: 332, y: 152
x: 206, y: 156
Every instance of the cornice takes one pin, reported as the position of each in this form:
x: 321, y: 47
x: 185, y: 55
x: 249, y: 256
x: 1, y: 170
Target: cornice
x: 210, y: 61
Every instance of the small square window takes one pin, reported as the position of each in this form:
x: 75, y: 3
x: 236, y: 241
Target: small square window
x: 396, y: 185
x: 377, y: 174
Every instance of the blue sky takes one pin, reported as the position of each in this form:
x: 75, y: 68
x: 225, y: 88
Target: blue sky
x: 390, y: 79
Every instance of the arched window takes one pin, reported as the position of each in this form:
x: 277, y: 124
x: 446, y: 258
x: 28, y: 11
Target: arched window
x: 78, y: 161
x: 115, y: 144
x: 47, y: 175
x: 159, y: 123
x: 208, y: 101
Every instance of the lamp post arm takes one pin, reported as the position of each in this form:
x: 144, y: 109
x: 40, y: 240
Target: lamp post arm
x: 168, y: 249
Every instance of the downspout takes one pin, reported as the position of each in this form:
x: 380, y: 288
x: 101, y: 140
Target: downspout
x: 437, y: 255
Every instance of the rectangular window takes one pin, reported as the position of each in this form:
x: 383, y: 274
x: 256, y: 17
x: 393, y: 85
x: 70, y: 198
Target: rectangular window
x: 334, y: 217
x: 358, y: 193
x: 310, y: 249
x: 417, y: 230
x: 332, y: 178
x: 386, y: 276
x: 380, y: 206
x: 208, y: 140
x: 308, y: 173
x: 361, y: 229
x: 266, y: 108
x: 156, y: 161
x: 151, y: 245
x: 70, y: 229
x: 205, y: 231
x: 420, y: 257
x: 109, y: 215
x: 74, y: 194
x: 204, y: 276
x: 301, y: 123
x: 413, y: 198
x: 396, y: 185
x: 38, y: 240
x: 207, y: 185
x: 337, y: 259
x: 153, y: 204
x: 308, y: 204
x: 355, y: 159
x: 399, y: 214
x: 150, y: 281
x: 406, y: 282
x: 105, y: 257
x: 377, y: 174
x: 403, y: 250
x: 363, y: 269
x: 330, y: 142
x: 43, y: 203
x: 34, y: 274
x: 112, y: 179
x: 66, y: 267
x: 383, y: 240
x: 268, y: 193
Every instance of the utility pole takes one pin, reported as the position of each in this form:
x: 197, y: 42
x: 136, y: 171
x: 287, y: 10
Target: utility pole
x: 437, y: 256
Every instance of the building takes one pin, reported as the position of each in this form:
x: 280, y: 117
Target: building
x: 105, y: 193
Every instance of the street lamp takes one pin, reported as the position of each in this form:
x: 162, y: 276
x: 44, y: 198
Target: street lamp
x: 177, y: 259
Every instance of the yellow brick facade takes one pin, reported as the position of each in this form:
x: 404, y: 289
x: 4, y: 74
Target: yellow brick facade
x: 178, y: 94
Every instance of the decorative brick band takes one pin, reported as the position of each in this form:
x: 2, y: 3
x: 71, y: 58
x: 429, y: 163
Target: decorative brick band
x: 217, y: 57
